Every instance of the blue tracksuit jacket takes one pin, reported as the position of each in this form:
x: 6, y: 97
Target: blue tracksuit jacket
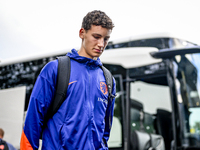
x: 79, y: 123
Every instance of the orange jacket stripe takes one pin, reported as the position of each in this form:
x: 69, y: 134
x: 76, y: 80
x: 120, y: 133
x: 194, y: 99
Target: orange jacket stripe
x: 24, y: 144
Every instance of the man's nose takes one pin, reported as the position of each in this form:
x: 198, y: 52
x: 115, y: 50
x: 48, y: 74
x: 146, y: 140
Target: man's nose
x: 101, y: 42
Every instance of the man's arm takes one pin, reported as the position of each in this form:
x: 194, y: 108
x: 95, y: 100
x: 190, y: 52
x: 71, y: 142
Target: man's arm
x: 40, y: 99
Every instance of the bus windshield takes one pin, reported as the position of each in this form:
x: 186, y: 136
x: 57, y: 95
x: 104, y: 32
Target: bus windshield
x: 188, y: 88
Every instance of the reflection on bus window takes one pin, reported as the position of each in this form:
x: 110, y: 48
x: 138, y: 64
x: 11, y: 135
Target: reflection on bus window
x: 194, y: 120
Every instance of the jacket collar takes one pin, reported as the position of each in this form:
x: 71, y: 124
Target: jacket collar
x: 88, y: 61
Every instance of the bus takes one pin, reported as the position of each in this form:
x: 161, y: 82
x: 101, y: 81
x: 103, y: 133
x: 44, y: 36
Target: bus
x: 158, y: 88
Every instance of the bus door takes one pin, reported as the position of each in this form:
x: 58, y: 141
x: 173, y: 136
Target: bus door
x: 185, y: 78
x: 150, y: 108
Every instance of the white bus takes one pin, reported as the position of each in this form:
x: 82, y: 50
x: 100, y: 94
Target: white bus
x: 157, y: 92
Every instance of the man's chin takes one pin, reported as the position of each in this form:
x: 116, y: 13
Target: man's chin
x: 97, y: 55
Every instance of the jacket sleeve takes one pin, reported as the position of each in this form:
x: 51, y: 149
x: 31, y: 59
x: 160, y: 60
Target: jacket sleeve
x: 109, y: 119
x: 40, y: 99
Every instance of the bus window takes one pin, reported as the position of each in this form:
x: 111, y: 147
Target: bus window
x: 157, y: 108
x: 160, y: 43
x: 188, y: 87
x: 152, y: 96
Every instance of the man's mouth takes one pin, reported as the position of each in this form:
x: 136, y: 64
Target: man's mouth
x: 99, y: 50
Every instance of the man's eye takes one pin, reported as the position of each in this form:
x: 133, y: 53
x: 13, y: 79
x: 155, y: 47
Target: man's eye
x: 106, y: 39
x: 96, y: 37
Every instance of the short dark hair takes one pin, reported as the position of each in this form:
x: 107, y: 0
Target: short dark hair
x: 97, y: 18
x: 1, y: 132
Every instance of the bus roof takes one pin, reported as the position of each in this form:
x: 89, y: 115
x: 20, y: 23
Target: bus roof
x: 32, y: 57
x: 129, y: 57
x: 126, y: 57
x: 146, y: 36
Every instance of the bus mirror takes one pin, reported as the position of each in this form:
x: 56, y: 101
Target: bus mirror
x: 169, y: 53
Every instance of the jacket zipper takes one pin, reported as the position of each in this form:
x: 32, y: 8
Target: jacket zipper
x: 89, y: 109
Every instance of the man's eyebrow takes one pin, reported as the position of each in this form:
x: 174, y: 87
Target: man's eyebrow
x: 96, y: 34
x: 100, y: 35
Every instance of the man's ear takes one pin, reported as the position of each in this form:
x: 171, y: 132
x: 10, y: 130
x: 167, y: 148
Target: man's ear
x: 81, y: 33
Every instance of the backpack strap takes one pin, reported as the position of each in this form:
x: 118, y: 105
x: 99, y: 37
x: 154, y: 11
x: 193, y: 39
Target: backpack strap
x: 3, y: 145
x: 63, y: 76
x: 109, y: 81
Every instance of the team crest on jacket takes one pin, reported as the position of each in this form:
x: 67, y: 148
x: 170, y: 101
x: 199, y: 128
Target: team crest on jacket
x: 103, y: 88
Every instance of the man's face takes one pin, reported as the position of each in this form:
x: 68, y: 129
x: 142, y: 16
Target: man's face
x: 94, y: 41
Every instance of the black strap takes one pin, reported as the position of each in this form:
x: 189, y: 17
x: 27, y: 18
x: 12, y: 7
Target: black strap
x: 109, y: 81
x: 3, y: 144
x: 63, y: 75
x: 64, y: 69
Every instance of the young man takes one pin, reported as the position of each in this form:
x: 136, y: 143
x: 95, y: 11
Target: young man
x: 82, y: 121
